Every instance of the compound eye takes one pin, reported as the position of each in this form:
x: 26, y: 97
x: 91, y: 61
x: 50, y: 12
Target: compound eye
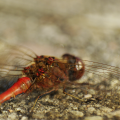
x: 79, y: 66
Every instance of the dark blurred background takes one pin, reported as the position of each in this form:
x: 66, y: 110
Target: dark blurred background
x: 88, y: 29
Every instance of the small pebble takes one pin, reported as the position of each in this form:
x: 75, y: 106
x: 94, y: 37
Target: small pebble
x: 93, y: 118
x: 77, y: 113
x: 12, y: 116
x: 87, y: 96
x: 24, y: 118
x: 91, y: 109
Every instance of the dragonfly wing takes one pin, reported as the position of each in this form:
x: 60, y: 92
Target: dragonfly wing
x: 13, y: 59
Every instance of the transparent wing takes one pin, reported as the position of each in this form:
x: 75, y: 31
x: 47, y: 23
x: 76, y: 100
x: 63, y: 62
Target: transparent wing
x: 104, y: 80
x: 101, y: 70
x: 103, y: 85
x: 13, y: 59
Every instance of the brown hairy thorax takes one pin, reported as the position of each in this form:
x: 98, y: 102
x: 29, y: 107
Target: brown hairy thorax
x: 48, y: 72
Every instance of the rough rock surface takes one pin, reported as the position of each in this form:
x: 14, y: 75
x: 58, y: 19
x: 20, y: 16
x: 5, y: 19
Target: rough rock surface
x: 87, y: 29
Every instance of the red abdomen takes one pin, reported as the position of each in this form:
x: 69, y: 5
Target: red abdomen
x: 19, y: 87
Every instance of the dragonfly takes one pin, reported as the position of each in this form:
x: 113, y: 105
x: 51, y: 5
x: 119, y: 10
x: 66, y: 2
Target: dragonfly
x: 22, y: 71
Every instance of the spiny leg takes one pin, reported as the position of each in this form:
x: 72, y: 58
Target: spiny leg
x: 64, y: 89
x: 71, y: 95
x: 41, y: 96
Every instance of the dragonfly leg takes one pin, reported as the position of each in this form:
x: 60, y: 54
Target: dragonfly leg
x: 41, y: 96
x: 64, y: 91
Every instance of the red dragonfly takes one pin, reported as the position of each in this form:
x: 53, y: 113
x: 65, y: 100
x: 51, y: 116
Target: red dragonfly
x: 48, y: 73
